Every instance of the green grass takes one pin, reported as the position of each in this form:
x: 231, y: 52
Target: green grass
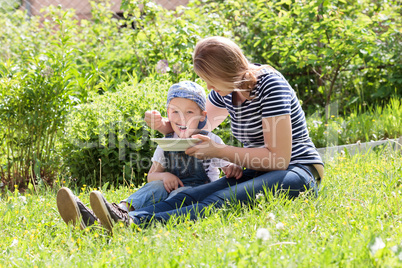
x: 376, y: 123
x: 360, y: 200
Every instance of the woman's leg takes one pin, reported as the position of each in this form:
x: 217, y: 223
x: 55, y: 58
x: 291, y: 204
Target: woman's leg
x: 294, y: 180
x: 178, y: 190
x: 194, y: 195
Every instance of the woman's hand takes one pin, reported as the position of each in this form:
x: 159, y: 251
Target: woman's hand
x: 205, y: 149
x: 233, y: 171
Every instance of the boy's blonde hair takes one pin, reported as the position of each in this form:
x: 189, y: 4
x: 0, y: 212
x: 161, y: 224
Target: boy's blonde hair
x: 218, y: 58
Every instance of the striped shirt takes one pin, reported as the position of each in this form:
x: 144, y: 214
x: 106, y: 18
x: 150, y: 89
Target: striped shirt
x: 272, y: 96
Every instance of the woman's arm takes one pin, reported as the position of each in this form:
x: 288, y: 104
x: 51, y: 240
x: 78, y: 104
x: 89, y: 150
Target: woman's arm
x: 215, y: 116
x: 274, y: 156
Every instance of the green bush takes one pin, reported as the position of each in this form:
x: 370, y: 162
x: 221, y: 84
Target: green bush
x: 46, y: 69
x: 346, y: 52
x: 107, y: 140
x: 36, y: 93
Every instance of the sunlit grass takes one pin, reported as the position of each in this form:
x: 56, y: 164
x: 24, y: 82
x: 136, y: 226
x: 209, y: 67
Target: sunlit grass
x: 374, y: 124
x: 354, y: 222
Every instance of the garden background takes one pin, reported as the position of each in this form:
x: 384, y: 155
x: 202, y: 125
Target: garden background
x: 73, y: 95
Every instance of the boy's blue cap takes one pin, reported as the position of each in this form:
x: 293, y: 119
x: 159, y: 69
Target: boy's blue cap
x: 189, y: 90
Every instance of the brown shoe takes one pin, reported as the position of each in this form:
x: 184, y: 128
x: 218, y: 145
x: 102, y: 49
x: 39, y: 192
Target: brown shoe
x: 108, y: 213
x: 72, y: 210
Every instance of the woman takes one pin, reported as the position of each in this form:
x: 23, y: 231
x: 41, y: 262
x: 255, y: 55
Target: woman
x: 265, y: 116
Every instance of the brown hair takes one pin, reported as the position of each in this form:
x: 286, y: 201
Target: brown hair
x: 218, y: 58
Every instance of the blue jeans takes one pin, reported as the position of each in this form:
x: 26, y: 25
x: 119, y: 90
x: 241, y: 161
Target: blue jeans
x: 194, y: 201
x: 150, y: 194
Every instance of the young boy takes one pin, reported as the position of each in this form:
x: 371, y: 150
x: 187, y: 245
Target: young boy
x: 171, y: 172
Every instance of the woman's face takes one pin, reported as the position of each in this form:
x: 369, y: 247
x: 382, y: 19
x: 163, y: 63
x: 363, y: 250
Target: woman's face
x: 220, y: 87
x: 184, y: 116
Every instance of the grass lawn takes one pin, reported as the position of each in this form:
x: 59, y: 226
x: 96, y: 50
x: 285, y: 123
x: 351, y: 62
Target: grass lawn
x: 356, y: 221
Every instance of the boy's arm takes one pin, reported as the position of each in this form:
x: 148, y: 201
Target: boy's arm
x: 155, y: 121
x: 216, y: 116
x: 157, y: 173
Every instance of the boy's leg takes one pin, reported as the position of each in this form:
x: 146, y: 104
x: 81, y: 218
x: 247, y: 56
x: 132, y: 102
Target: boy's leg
x: 72, y: 210
x: 149, y: 194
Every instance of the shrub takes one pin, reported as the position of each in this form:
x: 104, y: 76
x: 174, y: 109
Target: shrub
x: 36, y: 92
x: 330, y: 51
x: 107, y: 139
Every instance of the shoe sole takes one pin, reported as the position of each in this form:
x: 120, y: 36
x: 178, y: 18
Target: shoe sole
x: 68, y: 208
x: 99, y: 208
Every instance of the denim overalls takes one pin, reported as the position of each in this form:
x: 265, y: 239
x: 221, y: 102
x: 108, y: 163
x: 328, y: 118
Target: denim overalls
x: 188, y: 169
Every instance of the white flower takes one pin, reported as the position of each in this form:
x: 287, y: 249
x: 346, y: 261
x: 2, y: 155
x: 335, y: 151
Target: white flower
x: 378, y: 244
x: 317, y: 123
x: 271, y: 217
x: 280, y: 226
x: 394, y: 249
x: 151, y: 5
x: 259, y: 196
x: 22, y: 198
x: 14, y: 243
x: 263, y: 234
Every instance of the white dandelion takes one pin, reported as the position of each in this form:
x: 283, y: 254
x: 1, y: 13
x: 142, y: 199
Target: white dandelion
x: 263, y: 234
x: 280, y: 226
x: 14, y: 242
x: 22, y: 198
x: 378, y: 244
x: 271, y: 217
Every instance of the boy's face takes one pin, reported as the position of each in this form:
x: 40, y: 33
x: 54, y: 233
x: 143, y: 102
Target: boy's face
x: 184, y: 116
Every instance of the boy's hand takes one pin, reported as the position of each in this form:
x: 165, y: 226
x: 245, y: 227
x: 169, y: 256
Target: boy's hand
x: 233, y: 171
x: 171, y: 182
x: 153, y: 119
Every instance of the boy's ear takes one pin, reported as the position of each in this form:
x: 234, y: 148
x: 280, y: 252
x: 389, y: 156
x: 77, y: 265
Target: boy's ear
x: 204, y: 115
